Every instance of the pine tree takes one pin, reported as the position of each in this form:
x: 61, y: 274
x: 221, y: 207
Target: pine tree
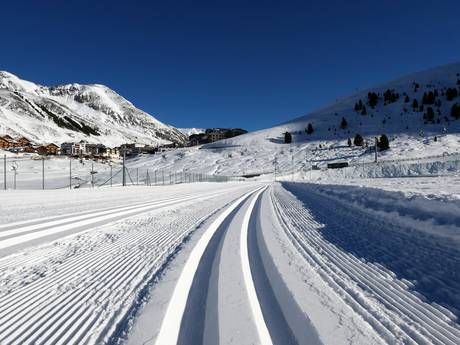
x: 310, y: 129
x: 383, y: 143
x: 343, y: 123
x: 428, y: 98
x: 455, y: 111
x: 287, y: 138
x: 349, y: 142
x: 364, y: 111
x: 429, y: 114
x: 407, y: 99
x: 415, y: 104
x: 451, y: 93
x: 358, y: 140
x: 372, y: 99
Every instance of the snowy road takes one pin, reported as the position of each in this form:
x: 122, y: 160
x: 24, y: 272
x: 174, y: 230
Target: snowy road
x: 230, y: 263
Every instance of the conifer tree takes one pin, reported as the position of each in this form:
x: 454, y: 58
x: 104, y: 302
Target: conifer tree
x: 455, y: 111
x: 358, y: 140
x: 372, y: 99
x: 429, y: 114
x: 451, y: 93
x: 287, y: 138
x: 383, y: 143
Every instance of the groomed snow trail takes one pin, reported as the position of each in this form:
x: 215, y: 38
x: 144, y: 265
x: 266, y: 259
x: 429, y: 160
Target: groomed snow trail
x: 223, y: 294
x: 79, y: 288
x: 337, y: 239
x: 279, y: 264
x: 184, y: 321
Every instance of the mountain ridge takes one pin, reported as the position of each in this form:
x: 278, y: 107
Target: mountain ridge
x: 72, y: 112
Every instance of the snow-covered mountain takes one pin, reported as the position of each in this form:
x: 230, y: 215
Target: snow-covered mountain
x: 73, y: 112
x: 411, y: 131
x: 189, y: 131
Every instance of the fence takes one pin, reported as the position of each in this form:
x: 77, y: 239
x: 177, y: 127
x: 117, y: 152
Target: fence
x: 58, y: 172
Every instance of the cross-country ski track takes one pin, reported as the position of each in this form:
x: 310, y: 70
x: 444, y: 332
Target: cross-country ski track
x: 236, y: 263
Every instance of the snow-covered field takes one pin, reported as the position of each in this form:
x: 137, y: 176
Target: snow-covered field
x: 286, y: 252
x: 229, y: 263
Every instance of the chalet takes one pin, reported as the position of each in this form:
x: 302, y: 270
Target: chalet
x: 48, y: 149
x: 30, y: 149
x: 5, y: 142
x: 23, y: 142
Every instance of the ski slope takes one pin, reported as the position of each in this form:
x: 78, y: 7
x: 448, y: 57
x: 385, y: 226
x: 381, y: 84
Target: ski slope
x: 74, y: 277
x: 225, y: 263
x: 288, y: 264
x: 410, y: 135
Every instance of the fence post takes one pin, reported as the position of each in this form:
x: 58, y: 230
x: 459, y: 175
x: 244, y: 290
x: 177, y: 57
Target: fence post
x: 14, y: 176
x: 124, y: 171
x: 376, y: 142
x: 92, y: 175
x: 111, y: 176
x: 43, y: 173
x: 4, y: 172
x: 70, y: 173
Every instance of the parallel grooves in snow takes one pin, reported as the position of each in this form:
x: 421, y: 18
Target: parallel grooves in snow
x: 407, y: 319
x: 170, y: 327
x: 52, y: 310
x: 53, y: 227
x: 264, y: 335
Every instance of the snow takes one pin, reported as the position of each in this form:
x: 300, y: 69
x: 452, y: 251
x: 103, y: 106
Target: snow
x: 255, y: 152
x: 368, y: 254
x: 89, y: 277
x: 330, y: 264
x: 116, y: 120
x: 189, y: 131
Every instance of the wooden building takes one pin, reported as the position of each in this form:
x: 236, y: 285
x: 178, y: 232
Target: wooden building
x: 5, y: 143
x: 48, y: 149
x: 23, y: 142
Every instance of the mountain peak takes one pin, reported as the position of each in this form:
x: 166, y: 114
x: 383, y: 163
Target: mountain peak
x: 75, y: 111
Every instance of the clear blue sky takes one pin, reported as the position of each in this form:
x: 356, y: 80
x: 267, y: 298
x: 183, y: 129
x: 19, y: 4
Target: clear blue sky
x: 236, y: 63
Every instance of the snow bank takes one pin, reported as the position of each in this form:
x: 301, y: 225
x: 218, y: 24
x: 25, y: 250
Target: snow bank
x: 438, y: 215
